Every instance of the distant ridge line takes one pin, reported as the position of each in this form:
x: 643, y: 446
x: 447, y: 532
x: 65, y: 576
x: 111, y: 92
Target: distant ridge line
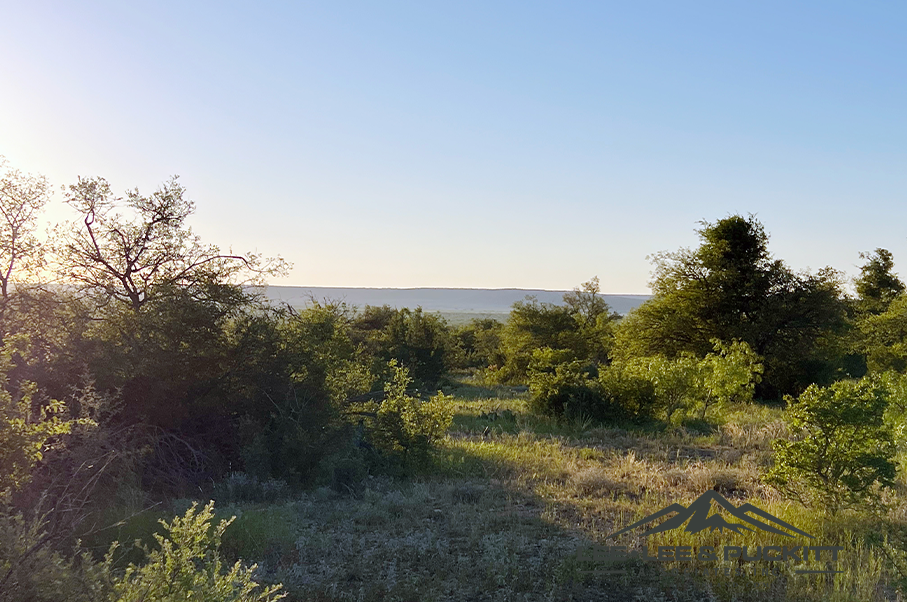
x: 443, y: 288
x: 450, y: 300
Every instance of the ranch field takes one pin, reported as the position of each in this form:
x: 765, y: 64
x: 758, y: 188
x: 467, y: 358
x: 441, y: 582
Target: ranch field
x: 513, y: 505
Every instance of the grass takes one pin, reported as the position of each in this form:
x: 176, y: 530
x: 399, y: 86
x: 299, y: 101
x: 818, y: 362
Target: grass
x: 512, y: 501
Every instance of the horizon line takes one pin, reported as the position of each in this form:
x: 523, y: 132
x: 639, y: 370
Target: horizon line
x: 451, y: 288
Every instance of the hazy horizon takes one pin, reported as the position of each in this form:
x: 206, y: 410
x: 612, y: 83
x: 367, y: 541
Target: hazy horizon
x: 477, y: 301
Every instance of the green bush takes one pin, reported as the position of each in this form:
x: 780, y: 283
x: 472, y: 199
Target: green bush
x: 533, y: 325
x: 421, y: 342
x: 479, y: 344
x: 292, y: 442
x: 670, y: 388
x: 403, y: 426
x: 843, y: 454
x: 24, y: 433
x: 348, y: 473
x: 559, y: 386
x: 32, y: 570
x: 627, y: 389
x: 187, y: 566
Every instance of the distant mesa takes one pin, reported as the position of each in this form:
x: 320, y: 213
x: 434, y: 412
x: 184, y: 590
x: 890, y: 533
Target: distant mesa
x: 697, y: 518
x: 443, y: 300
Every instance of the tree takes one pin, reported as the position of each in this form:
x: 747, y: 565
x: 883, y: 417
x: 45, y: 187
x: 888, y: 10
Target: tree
x: 594, y: 319
x: 586, y: 303
x: 661, y: 386
x: 730, y: 288
x: 534, y: 325
x: 22, y: 197
x: 404, y: 426
x: 24, y: 433
x: 152, y: 253
x: 729, y: 374
x: 882, y: 337
x: 479, y: 344
x: 561, y: 386
x: 843, y: 451
x: 675, y: 381
x: 877, y: 286
x: 583, y: 326
x: 421, y: 342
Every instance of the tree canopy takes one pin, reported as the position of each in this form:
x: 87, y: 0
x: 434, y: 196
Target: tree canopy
x: 877, y: 285
x: 134, y: 258
x: 731, y: 288
x: 22, y: 197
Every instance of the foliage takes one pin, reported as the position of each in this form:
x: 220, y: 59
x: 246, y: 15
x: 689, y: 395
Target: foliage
x: 405, y: 426
x: 188, y: 566
x: 22, y: 197
x: 26, y: 428
x: 896, y: 412
x: 730, y: 288
x: 594, y: 319
x: 729, y: 373
x: 534, y: 325
x: 586, y: 303
x: 561, y: 386
x: 629, y: 388
x: 479, y: 344
x: 225, y: 382
x: 583, y: 326
x: 319, y: 341
x: 419, y: 341
x: 843, y: 453
x: 675, y: 382
x: 877, y: 285
x: 882, y: 337
x: 31, y: 570
x: 291, y: 442
x: 136, y: 258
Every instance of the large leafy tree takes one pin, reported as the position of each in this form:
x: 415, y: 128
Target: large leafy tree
x: 731, y: 288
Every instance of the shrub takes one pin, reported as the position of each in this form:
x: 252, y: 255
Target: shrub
x: 292, y: 442
x: 729, y: 374
x: 663, y: 387
x: 479, y: 344
x: 419, y: 341
x: 533, y: 325
x: 561, y: 387
x: 24, y: 432
x: 628, y: 390
x: 405, y: 426
x: 188, y: 566
x: 32, y: 570
x: 348, y: 473
x: 844, y: 453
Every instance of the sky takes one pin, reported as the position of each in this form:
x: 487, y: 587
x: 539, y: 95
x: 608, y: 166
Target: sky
x: 475, y: 144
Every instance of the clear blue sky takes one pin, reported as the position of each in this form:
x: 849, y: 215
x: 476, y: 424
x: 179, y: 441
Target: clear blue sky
x: 476, y: 144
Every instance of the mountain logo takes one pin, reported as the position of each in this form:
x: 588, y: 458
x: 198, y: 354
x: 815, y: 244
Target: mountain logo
x: 699, y: 519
